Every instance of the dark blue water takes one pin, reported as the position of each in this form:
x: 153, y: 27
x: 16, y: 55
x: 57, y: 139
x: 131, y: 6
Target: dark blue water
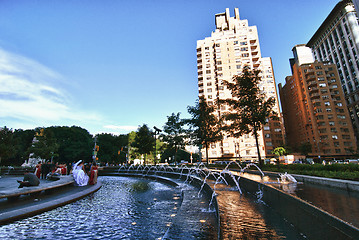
x: 124, y: 208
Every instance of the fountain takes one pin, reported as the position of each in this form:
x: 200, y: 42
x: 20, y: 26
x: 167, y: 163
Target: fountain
x: 212, y: 185
x: 287, y: 178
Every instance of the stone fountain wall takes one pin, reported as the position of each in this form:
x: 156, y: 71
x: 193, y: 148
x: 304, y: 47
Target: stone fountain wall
x: 308, y: 219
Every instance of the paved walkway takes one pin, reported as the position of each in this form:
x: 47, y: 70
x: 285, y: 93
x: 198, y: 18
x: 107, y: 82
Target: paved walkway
x: 57, y: 194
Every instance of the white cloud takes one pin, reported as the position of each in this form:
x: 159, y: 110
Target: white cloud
x: 126, y: 128
x: 31, y: 95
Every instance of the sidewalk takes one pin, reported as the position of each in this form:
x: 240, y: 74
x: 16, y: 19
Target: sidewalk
x: 57, y: 194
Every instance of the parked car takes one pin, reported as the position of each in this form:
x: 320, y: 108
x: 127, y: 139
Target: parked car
x: 352, y: 161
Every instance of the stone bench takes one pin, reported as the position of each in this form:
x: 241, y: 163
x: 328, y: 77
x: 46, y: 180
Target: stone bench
x: 11, y: 194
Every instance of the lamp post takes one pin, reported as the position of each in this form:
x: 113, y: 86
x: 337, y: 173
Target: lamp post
x: 157, y: 130
x: 236, y: 150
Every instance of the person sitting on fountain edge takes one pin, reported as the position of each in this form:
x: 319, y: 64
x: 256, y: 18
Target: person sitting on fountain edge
x: 29, y: 180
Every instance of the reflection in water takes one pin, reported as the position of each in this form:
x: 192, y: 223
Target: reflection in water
x: 124, y: 208
x: 245, y: 218
x: 340, y: 203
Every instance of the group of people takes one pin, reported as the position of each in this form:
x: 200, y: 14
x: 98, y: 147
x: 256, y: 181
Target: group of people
x: 84, y: 174
x: 47, y: 170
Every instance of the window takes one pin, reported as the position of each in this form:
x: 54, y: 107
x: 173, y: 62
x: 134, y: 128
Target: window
x: 346, y: 136
x: 344, y: 130
x: 209, y: 90
x: 331, y: 123
x: 321, y: 123
x: 335, y: 137
x: 322, y: 85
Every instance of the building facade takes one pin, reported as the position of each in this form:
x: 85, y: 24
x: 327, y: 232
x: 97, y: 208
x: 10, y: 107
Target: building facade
x: 337, y: 41
x: 313, y: 106
x: 233, y: 45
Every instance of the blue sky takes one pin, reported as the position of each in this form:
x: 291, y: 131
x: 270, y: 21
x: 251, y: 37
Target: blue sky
x: 112, y: 65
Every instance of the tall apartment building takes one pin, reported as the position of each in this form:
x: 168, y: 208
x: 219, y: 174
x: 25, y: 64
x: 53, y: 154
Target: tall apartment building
x: 356, y: 5
x: 233, y: 45
x: 313, y: 106
x: 337, y: 41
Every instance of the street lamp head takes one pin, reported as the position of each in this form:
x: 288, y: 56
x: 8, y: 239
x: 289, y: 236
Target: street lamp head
x: 157, y: 129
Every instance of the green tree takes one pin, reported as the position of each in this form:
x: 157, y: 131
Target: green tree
x: 44, y: 145
x: 205, y: 127
x: 279, y: 151
x: 249, y: 108
x: 305, y: 148
x: 7, y: 144
x: 23, y: 140
x: 75, y: 143
x: 144, y: 141
x: 174, y: 133
x: 112, y: 148
x: 132, y: 151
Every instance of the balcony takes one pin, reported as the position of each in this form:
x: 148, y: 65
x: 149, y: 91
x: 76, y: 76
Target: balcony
x: 313, y: 89
x: 311, y: 83
x: 314, y: 95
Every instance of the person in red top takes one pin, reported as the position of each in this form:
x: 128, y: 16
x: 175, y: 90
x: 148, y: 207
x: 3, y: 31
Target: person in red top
x: 38, y: 170
x: 93, y: 174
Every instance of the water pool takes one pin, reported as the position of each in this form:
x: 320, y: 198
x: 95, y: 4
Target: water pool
x: 124, y: 208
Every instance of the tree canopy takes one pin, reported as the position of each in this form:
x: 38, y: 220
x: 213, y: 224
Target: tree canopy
x: 144, y: 141
x: 174, y: 134
x: 44, y: 145
x: 7, y: 143
x: 205, y: 127
x: 248, y: 108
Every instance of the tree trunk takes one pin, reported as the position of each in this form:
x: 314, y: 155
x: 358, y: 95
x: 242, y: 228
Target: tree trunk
x: 207, y: 153
x: 258, y: 152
